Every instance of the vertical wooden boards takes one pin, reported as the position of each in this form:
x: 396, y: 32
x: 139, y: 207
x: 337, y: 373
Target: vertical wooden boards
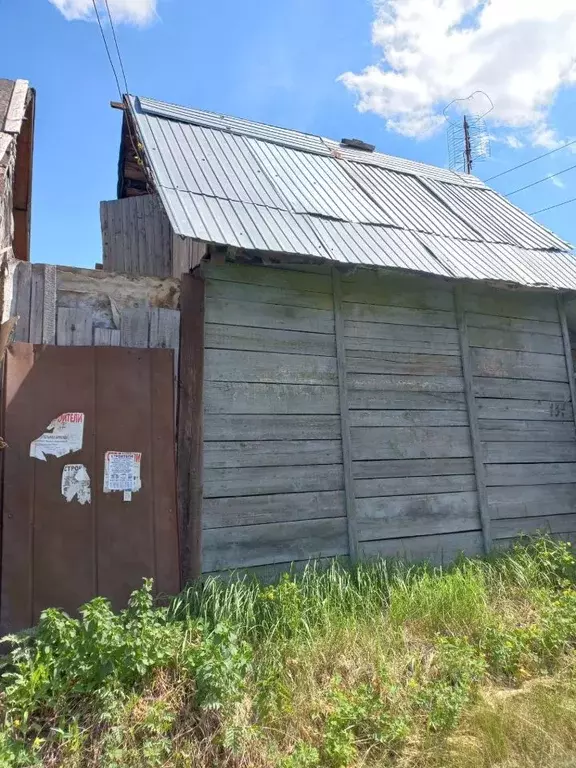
x: 106, y: 337
x: 344, y: 418
x: 74, y: 328
x: 473, y: 419
x: 21, y: 300
x: 191, y: 426
x: 42, y: 304
x: 524, y: 390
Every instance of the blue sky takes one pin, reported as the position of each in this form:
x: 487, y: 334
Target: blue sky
x: 278, y: 62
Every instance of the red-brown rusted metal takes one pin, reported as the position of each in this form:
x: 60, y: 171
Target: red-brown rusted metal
x: 59, y: 553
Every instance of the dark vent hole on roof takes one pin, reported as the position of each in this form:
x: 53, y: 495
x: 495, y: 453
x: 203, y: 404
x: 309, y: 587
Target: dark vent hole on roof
x: 358, y: 144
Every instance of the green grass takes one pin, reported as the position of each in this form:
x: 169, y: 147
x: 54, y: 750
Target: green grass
x: 380, y: 665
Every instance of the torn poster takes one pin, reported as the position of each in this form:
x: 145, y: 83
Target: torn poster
x: 76, y: 483
x: 122, y: 471
x: 63, y: 435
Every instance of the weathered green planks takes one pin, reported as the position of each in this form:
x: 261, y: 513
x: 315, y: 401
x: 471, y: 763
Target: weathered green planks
x: 409, y: 418
x: 522, y: 389
x: 271, y: 453
x: 272, y: 427
x: 523, y: 341
x: 518, y: 365
x: 512, y: 324
x: 356, y: 331
x: 403, y: 363
x: 248, y: 545
x: 238, y: 337
x: 530, y: 474
x: 269, y: 316
x: 531, y: 525
x: 531, y: 500
x: 252, y: 481
x: 374, y: 313
x: 367, y: 345
x: 438, y: 549
x: 418, y: 401
x: 405, y: 486
x: 276, y: 508
x: 413, y: 292
x: 511, y: 304
x: 253, y: 398
x: 526, y: 453
x: 221, y: 289
x: 528, y: 410
x: 268, y: 276
x: 424, y: 514
x: 503, y: 430
x: 268, y: 367
x: 398, y: 383
x: 406, y: 468
x: 410, y: 442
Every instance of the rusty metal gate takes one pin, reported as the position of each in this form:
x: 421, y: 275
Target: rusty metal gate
x: 68, y: 533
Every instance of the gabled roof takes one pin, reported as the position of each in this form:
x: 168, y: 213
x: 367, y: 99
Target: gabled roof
x: 235, y: 182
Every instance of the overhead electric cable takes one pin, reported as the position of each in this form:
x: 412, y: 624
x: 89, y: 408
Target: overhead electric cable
x: 533, y: 160
x: 107, y: 48
x: 540, y: 181
x: 117, y: 47
x: 558, y: 205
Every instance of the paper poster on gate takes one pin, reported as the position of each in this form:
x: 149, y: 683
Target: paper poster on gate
x: 76, y: 483
x: 122, y: 472
x: 63, y: 435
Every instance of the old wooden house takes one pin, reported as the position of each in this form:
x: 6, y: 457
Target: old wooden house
x: 17, y: 101
x: 375, y: 353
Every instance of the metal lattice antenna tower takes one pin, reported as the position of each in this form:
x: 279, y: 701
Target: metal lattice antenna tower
x: 468, y: 137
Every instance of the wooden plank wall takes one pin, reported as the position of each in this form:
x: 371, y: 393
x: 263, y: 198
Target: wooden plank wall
x: 273, y: 478
x: 77, y: 307
x: 274, y: 486
x: 136, y: 236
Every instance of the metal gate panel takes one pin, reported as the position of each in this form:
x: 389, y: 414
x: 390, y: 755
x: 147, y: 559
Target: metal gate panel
x: 59, y: 553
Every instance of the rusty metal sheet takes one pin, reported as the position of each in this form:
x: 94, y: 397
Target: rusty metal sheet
x: 60, y: 553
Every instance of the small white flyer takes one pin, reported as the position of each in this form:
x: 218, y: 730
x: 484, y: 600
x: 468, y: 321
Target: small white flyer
x: 63, y: 435
x: 122, y: 472
x: 76, y: 483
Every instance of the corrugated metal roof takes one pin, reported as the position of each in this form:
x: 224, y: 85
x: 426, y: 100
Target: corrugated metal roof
x: 231, y: 181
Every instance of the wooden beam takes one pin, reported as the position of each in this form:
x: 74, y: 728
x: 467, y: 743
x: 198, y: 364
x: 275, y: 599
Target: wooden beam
x: 117, y: 105
x: 473, y: 418
x: 190, y: 425
x: 561, y: 303
x: 345, y: 418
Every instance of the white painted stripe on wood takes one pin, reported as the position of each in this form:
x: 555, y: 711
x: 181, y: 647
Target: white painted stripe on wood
x: 277, y: 508
x: 525, y: 453
x: 268, y: 367
x: 393, y: 383
x: 531, y: 500
x: 74, y: 328
x: 272, y: 453
x: 403, y: 468
x: 244, y: 546
x: 252, y: 398
x: 528, y: 410
x: 438, y: 549
x: 410, y: 442
x: 253, y: 481
x: 263, y: 294
x: 515, y: 340
x: 408, y: 418
x: 498, y: 430
x: 268, y: 340
x: 406, y: 486
x: 522, y: 389
x: 270, y: 428
x: 269, y: 276
x: 530, y: 474
x: 424, y: 514
x: 36, y: 303
x: 49, y: 305
x: 401, y: 401
x: 373, y: 313
x: 512, y: 324
x: 518, y: 365
x: 269, y: 316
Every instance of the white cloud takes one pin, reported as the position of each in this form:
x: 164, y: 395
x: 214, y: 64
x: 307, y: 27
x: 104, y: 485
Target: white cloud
x: 556, y: 181
x: 138, y: 12
x: 520, y: 52
x: 514, y: 142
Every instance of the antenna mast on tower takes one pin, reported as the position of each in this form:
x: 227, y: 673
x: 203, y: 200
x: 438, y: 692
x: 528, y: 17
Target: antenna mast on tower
x: 468, y: 137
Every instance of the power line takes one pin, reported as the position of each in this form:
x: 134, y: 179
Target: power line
x: 539, y: 181
x: 117, y: 47
x: 538, y: 157
x: 558, y: 205
x: 107, y: 48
